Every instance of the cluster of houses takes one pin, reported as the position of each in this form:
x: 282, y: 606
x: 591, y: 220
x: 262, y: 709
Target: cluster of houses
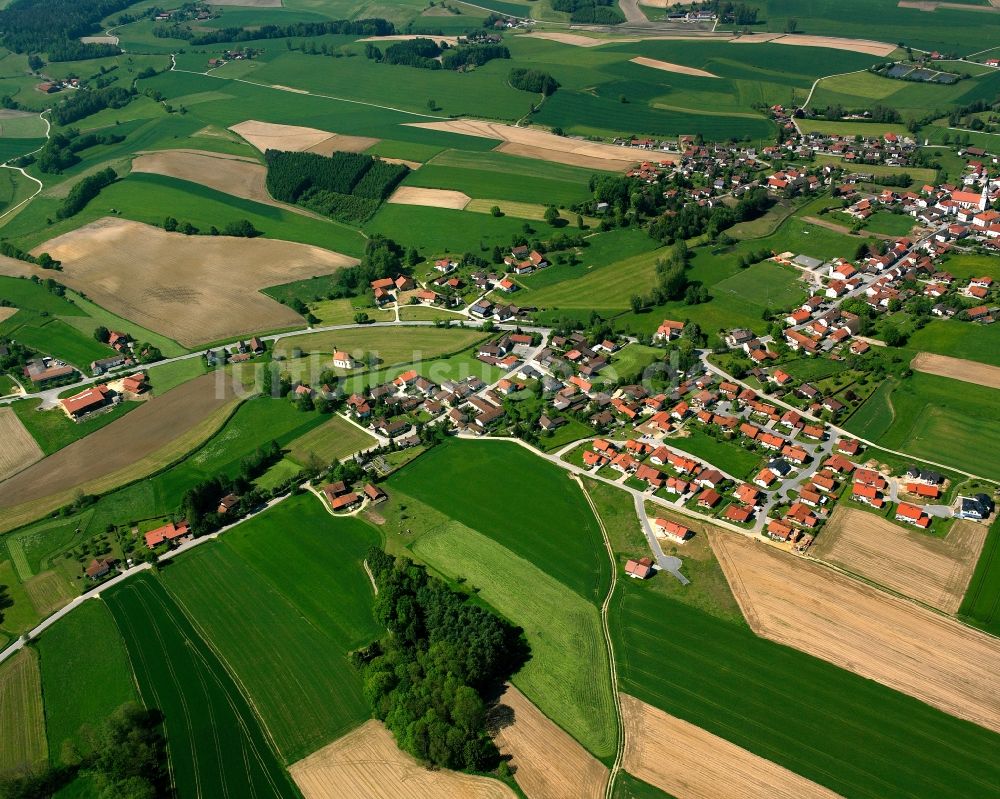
x: 124, y: 346
x: 104, y: 395
x: 240, y: 352
x: 53, y: 86
x: 888, y: 149
x: 232, y: 55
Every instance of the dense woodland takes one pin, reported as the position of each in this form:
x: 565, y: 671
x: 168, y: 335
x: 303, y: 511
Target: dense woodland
x: 356, y: 27
x: 533, y: 80
x: 429, y: 54
x: 346, y: 186
x: 60, y: 151
x: 429, y: 678
x: 599, y: 12
x: 85, y: 102
x: 41, y: 25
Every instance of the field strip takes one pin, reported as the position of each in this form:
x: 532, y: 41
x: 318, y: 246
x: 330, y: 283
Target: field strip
x: 546, y: 760
x: 578, y: 40
x: 957, y: 369
x: 688, y: 762
x: 666, y: 66
x: 931, y: 570
x: 367, y: 764
x: 866, y: 46
x: 906, y: 647
x: 19, y: 449
x: 431, y: 198
x: 7, y: 312
x: 404, y: 37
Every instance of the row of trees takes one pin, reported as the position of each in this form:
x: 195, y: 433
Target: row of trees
x: 78, y: 51
x: 85, y: 102
x: 60, y: 151
x: 241, y: 228
x: 346, y: 27
x: 43, y: 259
x: 429, y: 677
x: 85, y: 191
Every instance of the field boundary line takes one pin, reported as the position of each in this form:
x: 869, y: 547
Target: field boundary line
x: 6, y: 165
x: 606, y: 630
x: 370, y: 575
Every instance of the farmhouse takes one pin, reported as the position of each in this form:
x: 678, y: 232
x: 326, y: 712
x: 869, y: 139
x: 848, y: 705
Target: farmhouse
x: 98, y: 569
x: 87, y: 401
x: 668, y: 329
x: 639, y: 569
x: 169, y: 532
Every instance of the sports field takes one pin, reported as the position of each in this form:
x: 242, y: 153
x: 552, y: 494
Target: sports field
x: 22, y: 721
x: 85, y: 677
x: 215, y: 742
x: 819, y: 721
x: 294, y: 674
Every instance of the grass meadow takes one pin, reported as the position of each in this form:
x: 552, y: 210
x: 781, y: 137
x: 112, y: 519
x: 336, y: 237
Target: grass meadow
x: 216, y: 743
x: 488, y: 485
x: 22, y: 720
x: 959, y: 340
x: 981, y: 605
x: 391, y: 345
x: 331, y: 441
x: 934, y: 418
x: 296, y: 676
x: 85, y: 677
x: 730, y: 457
x: 852, y: 735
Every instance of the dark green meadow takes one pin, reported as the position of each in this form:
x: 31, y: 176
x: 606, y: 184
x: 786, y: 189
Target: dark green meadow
x: 217, y: 746
x: 86, y: 676
x: 852, y: 735
x: 518, y: 500
x: 294, y: 671
x: 981, y: 605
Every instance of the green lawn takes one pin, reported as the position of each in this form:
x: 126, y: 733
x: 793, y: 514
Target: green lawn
x: 215, y: 742
x: 487, y: 485
x: 929, y: 416
x: 890, y: 224
x: 297, y: 677
x: 728, y: 456
x: 170, y: 375
x: 852, y: 735
x: 332, y: 441
x: 85, y: 677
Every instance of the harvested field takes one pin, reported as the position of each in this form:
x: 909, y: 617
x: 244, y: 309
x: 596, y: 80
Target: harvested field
x: 405, y: 37
x: 99, y: 40
x: 158, y: 432
x: 880, y: 49
x: 410, y: 164
x: 689, y: 763
x: 933, y: 5
x: 546, y: 760
x: 577, y: 40
x: 367, y: 764
x: 859, y: 628
x: 343, y: 144
x: 666, y: 66
x: 194, y: 289
x: 933, y: 570
x: 534, y: 143
x: 19, y: 449
x: 22, y: 720
x: 756, y: 38
x: 48, y: 592
x: 272, y: 136
x: 6, y: 313
x: 957, y: 369
x: 432, y: 198
x: 232, y: 174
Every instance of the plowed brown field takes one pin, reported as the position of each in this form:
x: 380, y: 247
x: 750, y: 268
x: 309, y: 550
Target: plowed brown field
x: 194, y: 289
x: 18, y: 450
x: 936, y: 571
x: 689, y: 763
x: 547, y: 761
x: 957, y: 369
x: 914, y: 650
x: 367, y: 764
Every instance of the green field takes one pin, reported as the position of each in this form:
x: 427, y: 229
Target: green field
x: 981, y: 605
x: 559, y: 534
x: 296, y: 676
x: 568, y: 675
x: 850, y: 128
x: 389, y: 345
x: 840, y: 730
x: 170, y: 375
x: 959, y: 340
x: 730, y: 457
x: 435, y: 231
x: 629, y: 787
x: 22, y: 720
x: 889, y: 224
x: 215, y: 742
x: 85, y: 677
x: 331, y: 441
x: 933, y: 418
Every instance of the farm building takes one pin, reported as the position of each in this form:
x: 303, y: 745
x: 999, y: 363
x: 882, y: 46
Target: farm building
x: 639, y: 569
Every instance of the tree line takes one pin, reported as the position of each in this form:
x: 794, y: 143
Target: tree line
x: 85, y: 191
x: 78, y: 51
x: 85, y: 102
x: 430, y: 677
x: 60, y: 151
x: 598, y: 12
x: 358, y: 27
x: 431, y: 54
